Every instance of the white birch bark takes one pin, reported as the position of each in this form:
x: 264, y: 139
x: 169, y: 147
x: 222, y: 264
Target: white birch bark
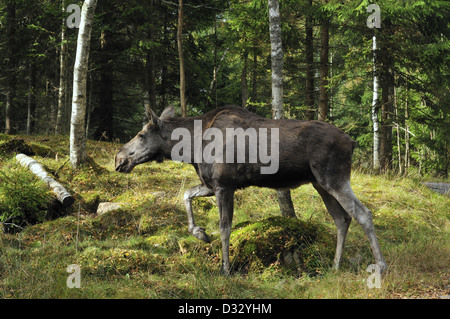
x: 375, y: 107
x: 276, y: 55
x: 61, y: 193
x: 77, y: 123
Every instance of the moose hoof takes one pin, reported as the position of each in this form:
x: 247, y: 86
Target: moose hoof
x: 199, y: 233
x: 225, y: 270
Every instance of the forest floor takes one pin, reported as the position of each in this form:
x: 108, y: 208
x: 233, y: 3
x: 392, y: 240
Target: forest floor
x: 143, y: 249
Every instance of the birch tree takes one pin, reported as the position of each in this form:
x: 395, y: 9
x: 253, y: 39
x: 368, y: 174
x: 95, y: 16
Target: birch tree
x: 374, y: 21
x: 77, y: 123
x: 375, y: 108
x: 284, y: 196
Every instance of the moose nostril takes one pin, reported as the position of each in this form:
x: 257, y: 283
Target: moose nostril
x: 131, y: 154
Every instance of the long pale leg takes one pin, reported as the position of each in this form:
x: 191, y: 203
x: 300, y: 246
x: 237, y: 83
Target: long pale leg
x: 197, y: 191
x: 341, y: 218
x: 225, y: 201
x: 363, y: 216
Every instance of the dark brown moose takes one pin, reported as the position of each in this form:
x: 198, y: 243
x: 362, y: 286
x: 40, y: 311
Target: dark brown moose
x: 301, y: 152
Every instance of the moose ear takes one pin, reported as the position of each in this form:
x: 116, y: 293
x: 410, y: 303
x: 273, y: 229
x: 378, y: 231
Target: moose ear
x: 152, y: 117
x: 168, y: 113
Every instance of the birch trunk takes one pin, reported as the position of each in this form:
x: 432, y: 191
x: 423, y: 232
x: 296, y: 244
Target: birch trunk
x: 375, y: 108
x: 284, y: 196
x: 77, y: 124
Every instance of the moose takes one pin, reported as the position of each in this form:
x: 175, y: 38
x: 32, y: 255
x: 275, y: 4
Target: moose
x: 307, y: 152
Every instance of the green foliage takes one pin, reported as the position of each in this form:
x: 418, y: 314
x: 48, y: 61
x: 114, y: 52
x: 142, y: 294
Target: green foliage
x: 24, y: 199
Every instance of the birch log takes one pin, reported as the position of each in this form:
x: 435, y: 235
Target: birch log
x: 61, y: 193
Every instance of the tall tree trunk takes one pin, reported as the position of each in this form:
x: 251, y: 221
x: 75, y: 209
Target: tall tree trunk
x: 254, y: 78
x: 181, y: 59
x: 11, y: 66
x: 103, y: 114
x: 324, y: 65
x: 31, y: 103
x: 387, y: 97
x: 284, y: 196
x: 62, y: 74
x: 164, y: 74
x: 407, y: 144
x: 151, y: 81
x: 244, y: 85
x: 309, y: 115
x: 77, y: 124
x: 397, y: 126
x: 386, y: 118
x: 375, y: 109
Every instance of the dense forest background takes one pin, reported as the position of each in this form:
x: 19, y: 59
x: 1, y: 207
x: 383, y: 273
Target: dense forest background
x: 328, y: 69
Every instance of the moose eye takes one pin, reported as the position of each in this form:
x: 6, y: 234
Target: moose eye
x: 141, y: 136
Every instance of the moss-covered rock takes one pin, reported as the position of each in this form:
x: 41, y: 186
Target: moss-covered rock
x: 283, y: 243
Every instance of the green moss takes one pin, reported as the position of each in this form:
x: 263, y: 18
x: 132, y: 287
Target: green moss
x: 10, y: 146
x: 283, y: 242
x: 116, y: 221
x: 90, y: 201
x: 119, y: 262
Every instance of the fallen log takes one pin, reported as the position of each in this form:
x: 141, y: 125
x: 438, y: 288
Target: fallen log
x: 61, y: 193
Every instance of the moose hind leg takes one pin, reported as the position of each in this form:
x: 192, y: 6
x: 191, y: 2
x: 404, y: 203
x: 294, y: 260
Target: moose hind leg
x: 341, y: 218
x: 197, y: 191
x: 226, y: 205
x: 363, y: 216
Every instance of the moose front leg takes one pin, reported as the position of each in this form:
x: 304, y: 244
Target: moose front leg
x: 197, y: 191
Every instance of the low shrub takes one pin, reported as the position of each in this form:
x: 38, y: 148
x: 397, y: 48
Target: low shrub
x: 24, y: 199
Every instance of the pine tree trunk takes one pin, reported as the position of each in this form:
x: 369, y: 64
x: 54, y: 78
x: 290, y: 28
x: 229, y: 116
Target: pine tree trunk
x: 284, y: 196
x: 31, y: 102
x: 407, y: 143
x: 181, y: 59
x: 10, y: 65
x: 77, y: 125
x: 386, y: 118
x: 62, y: 74
x: 103, y: 114
x: 254, y: 77
x: 244, y: 85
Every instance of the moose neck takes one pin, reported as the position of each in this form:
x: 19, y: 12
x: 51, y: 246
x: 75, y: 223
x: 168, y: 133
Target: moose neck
x: 185, y: 125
